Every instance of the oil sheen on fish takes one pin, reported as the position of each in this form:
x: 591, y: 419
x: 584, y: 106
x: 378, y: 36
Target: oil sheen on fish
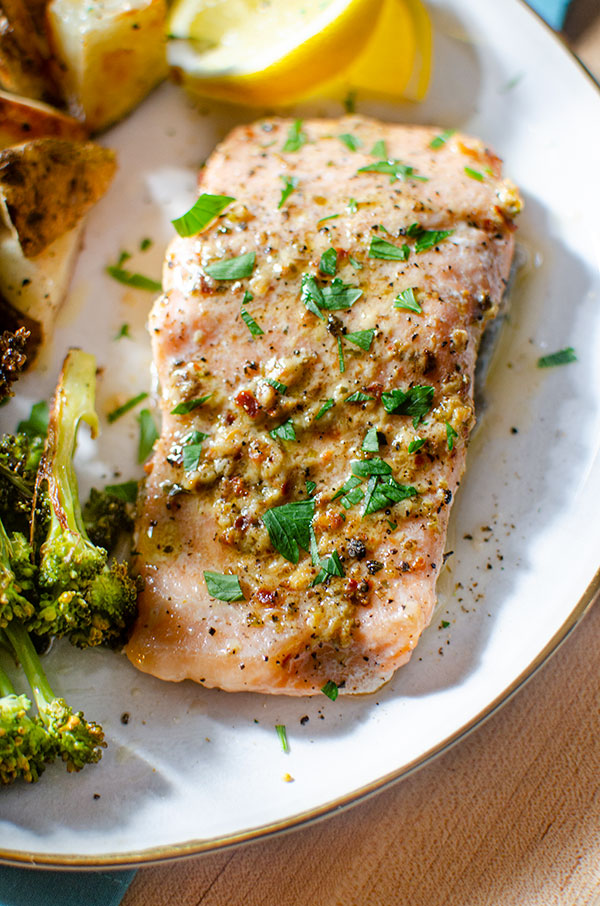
x: 317, y: 399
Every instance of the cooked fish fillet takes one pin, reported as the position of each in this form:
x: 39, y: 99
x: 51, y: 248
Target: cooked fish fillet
x: 313, y: 464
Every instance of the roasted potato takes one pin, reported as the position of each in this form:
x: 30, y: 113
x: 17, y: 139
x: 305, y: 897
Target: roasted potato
x: 23, y: 51
x: 46, y: 188
x: 107, y: 57
x: 22, y: 119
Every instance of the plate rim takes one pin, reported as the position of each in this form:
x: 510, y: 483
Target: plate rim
x: 171, y: 852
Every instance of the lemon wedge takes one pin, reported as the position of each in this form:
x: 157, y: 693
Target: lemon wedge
x: 265, y: 52
x: 396, y: 61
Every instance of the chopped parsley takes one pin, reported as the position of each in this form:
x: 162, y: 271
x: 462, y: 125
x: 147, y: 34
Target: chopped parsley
x: 329, y: 217
x: 361, y: 338
x: 384, y: 491
x: 451, y: 434
x: 358, y: 397
x: 192, y: 449
x: 562, y: 357
x: 145, y: 244
x: 138, y: 281
x: 336, y: 297
x: 327, y: 405
x: 331, y: 565
x: 355, y: 264
x: 289, y: 184
x: 440, y: 140
x: 282, y: 733
x: 189, y: 405
x: 37, y: 420
x: 416, y: 444
x: 364, y: 468
x: 349, y: 485
x: 126, y: 491
x: 277, y: 385
x: 341, y: 363
x: 416, y: 401
x: 254, y: 328
x: 426, y: 239
x: 371, y: 442
x: 123, y: 332
x: 395, y: 169
x: 474, y: 174
x: 330, y: 690
x: 285, y: 431
x: 232, y: 268
x: 328, y: 262
x: 223, y: 587
x: 130, y: 404
x: 444, y: 624
x: 311, y: 487
x: 352, y: 142
x: 289, y: 527
x: 148, y: 434
x: 203, y: 211
x: 352, y: 206
x: 379, y: 150
x: 406, y: 299
x: 296, y: 137
x: 350, y: 101
x: 387, y: 251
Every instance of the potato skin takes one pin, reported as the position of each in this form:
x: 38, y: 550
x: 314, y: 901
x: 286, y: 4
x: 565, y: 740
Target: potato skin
x: 47, y: 186
x: 23, y: 119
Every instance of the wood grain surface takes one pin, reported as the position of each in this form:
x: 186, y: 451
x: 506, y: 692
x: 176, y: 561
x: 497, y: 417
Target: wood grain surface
x: 508, y: 817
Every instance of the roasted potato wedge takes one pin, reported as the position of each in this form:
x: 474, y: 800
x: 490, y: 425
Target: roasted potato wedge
x: 22, y: 119
x: 23, y: 51
x: 109, y: 56
x: 46, y: 187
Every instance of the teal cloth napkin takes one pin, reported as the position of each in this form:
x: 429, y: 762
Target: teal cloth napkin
x: 24, y: 887
x: 553, y: 11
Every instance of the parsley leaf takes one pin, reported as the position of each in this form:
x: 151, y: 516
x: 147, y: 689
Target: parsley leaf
x: 562, y: 357
x: 282, y: 733
x: 284, y: 432
x: 426, y: 239
x: 277, y: 385
x: 202, y: 212
x: 440, y: 140
x: 138, y: 281
x: 355, y: 264
x: 379, y: 150
x: 363, y: 468
x: 406, y: 299
x: 474, y: 174
x: 352, y: 206
x: 312, y: 296
x: 371, y: 442
x: 328, y: 262
x: 192, y: 449
x: 341, y: 363
x: 349, y: 485
x: 329, y: 217
x: 416, y: 444
x: 387, y: 251
x: 416, y: 401
x: 126, y: 491
x: 148, y: 434
x: 330, y: 690
x: 450, y: 435
x: 352, y: 142
x: 296, y: 137
x: 358, y: 397
x: 331, y: 565
x: 383, y: 492
x: 189, y: 405
x: 232, y: 268
x: 361, y: 338
x: 395, y: 169
x: 327, y: 405
x: 36, y: 422
x: 340, y: 295
x: 289, y: 527
x: 289, y: 184
x: 254, y: 328
x: 311, y: 487
x: 123, y: 332
x: 130, y: 404
x: 223, y: 587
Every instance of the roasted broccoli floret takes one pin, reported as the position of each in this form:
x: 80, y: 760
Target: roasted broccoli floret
x: 74, y: 739
x: 12, y: 358
x: 20, y: 456
x: 17, y: 578
x: 81, y: 594
x: 106, y: 517
x: 25, y: 744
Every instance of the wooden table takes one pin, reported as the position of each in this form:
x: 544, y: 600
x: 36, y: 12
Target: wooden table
x: 508, y: 817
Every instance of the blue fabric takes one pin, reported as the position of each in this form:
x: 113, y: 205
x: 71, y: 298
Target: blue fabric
x: 553, y: 11
x: 28, y: 887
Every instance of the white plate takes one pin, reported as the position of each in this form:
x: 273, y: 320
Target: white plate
x: 195, y: 769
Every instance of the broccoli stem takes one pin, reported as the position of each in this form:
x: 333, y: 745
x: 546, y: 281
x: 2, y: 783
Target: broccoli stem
x: 6, y: 687
x: 73, y: 403
x: 30, y: 662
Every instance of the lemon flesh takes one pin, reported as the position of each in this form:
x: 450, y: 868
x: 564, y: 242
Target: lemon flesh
x: 263, y: 52
x: 396, y: 61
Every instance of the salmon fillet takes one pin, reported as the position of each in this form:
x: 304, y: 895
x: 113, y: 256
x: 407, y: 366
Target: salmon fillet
x: 316, y: 410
